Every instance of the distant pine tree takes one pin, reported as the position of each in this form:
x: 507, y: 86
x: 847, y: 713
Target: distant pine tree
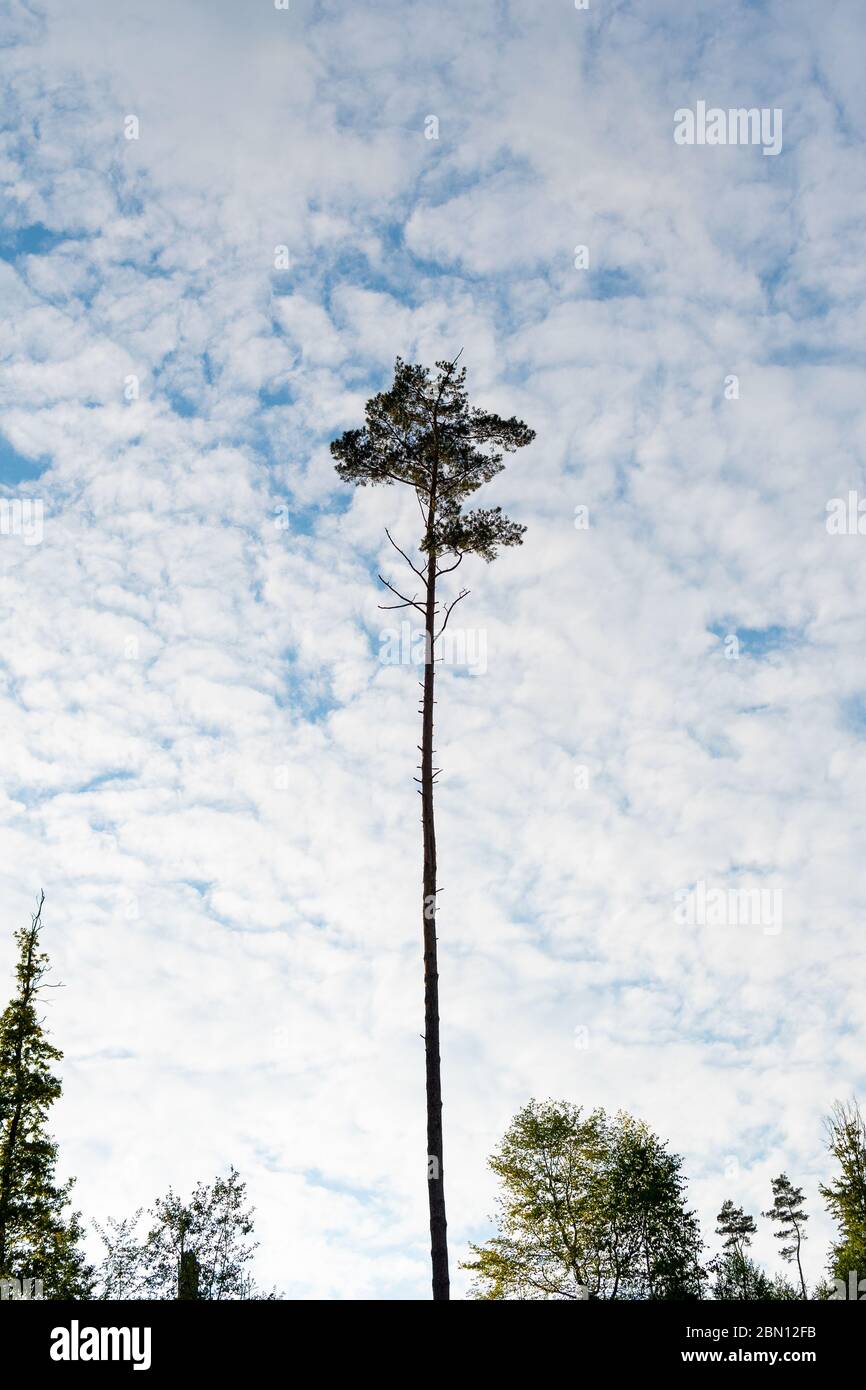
x: 738, y: 1228
x: 789, y: 1214
x: 39, y: 1234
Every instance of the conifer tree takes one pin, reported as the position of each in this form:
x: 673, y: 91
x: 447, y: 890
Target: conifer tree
x: 423, y: 433
x: 787, y: 1211
x: 39, y: 1235
x: 737, y: 1227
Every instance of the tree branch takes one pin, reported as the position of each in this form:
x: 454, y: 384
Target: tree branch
x: 449, y: 568
x: 406, y: 602
x: 453, y: 604
x: 420, y: 573
x: 424, y: 516
x: 403, y: 444
x: 395, y: 478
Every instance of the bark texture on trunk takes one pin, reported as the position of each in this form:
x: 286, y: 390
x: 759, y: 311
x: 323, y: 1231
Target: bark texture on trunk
x: 435, y: 1164
x: 799, y: 1266
x: 188, y: 1275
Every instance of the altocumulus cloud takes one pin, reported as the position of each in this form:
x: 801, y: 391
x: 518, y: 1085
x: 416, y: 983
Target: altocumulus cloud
x: 207, y: 766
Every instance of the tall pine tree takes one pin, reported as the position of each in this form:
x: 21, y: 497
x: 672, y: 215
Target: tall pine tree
x: 422, y: 432
x: 737, y: 1227
x: 39, y: 1234
x: 789, y: 1214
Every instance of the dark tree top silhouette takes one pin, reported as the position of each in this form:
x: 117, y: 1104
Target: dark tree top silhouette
x: 423, y: 432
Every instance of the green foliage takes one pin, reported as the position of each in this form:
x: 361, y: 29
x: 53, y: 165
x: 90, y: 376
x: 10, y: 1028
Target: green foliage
x: 787, y: 1210
x: 846, y: 1195
x: 211, y: 1229
x: 781, y: 1290
x: 824, y: 1289
x: 737, y: 1277
x: 39, y: 1235
x: 589, y: 1207
x: 736, y: 1226
x: 423, y: 432
x: 122, y: 1271
x: 734, y: 1268
x: 788, y: 1213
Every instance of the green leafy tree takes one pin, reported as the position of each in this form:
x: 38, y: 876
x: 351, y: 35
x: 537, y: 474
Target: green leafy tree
x: 198, y: 1249
x: 589, y: 1207
x: 658, y: 1243
x: 845, y: 1196
x: 736, y: 1276
x: 423, y: 433
x: 39, y: 1234
x: 789, y: 1214
x: 781, y: 1290
x: 737, y: 1227
x: 122, y: 1271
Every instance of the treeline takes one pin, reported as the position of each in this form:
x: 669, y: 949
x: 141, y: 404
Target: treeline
x: 589, y: 1206
x: 200, y: 1247
x: 594, y: 1207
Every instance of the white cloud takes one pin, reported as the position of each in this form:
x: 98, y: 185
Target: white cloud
x: 207, y: 767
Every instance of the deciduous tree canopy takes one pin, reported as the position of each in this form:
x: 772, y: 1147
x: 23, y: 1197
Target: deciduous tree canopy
x: 589, y: 1206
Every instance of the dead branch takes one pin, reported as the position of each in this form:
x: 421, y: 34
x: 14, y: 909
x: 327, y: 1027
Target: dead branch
x: 405, y: 602
x: 420, y: 573
x: 449, y: 568
x: 448, y: 611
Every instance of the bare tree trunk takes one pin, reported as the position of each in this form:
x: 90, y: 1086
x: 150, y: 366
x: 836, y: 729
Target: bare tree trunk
x: 187, y: 1278
x: 435, y: 1166
x: 799, y: 1266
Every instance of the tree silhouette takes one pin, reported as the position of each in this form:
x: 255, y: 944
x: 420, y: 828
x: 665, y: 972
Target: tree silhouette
x: 787, y: 1210
x: 195, y: 1250
x: 39, y: 1237
x: 845, y: 1196
x: 738, y: 1228
x: 422, y: 432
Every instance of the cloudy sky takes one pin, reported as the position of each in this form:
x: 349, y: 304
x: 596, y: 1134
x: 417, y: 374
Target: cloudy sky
x: 207, y: 762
